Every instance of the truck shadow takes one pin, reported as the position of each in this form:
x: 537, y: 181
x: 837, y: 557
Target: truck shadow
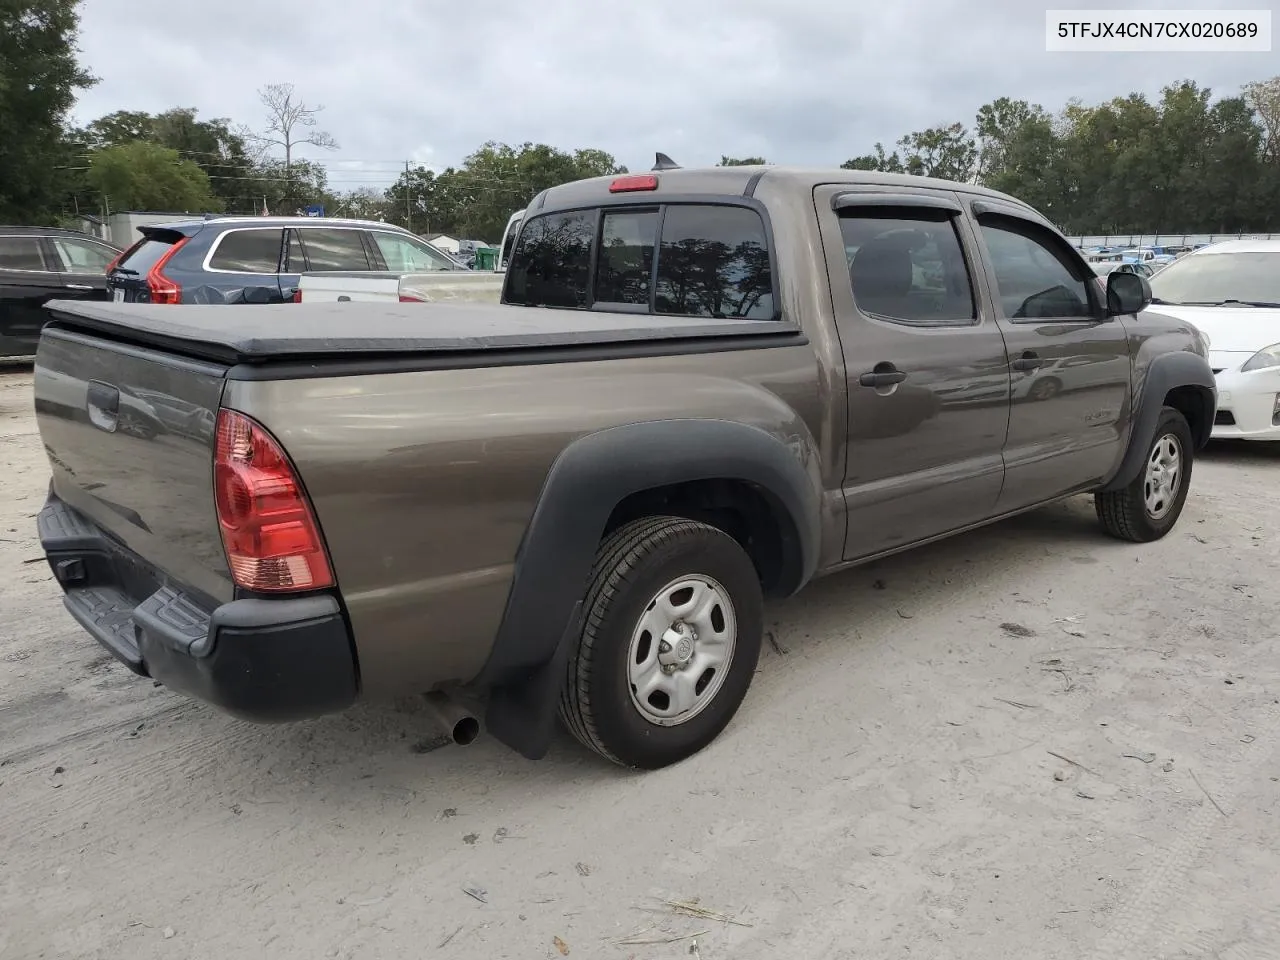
x: 391, y: 751
x: 1242, y: 452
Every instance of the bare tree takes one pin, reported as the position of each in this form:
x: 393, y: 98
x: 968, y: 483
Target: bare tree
x: 290, y: 123
x: 1264, y: 97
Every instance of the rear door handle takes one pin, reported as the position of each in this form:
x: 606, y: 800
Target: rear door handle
x: 1030, y: 360
x: 883, y: 375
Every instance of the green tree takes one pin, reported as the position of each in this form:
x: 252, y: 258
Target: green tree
x: 742, y: 162
x: 213, y: 145
x: 39, y: 78
x: 878, y: 160
x: 948, y: 152
x: 146, y: 176
x: 475, y: 199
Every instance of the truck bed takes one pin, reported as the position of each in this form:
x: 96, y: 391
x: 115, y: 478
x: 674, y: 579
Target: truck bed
x: 254, y: 334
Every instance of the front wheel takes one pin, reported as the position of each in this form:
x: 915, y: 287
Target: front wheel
x: 1148, y: 508
x: 673, y: 621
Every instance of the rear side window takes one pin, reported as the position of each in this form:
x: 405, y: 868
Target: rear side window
x: 334, y: 249
x: 248, y: 251
x: 907, y: 266
x: 82, y: 256
x: 21, y: 253
x: 405, y: 255
x: 711, y: 261
x: 551, y: 265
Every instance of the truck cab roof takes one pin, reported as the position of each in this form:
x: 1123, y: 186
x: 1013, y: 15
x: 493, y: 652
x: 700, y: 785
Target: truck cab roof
x: 746, y: 181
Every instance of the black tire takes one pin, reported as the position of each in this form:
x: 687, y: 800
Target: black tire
x: 632, y: 566
x: 1124, y: 514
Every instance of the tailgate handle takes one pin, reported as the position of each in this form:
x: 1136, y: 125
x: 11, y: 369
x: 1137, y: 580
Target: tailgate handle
x: 103, y: 402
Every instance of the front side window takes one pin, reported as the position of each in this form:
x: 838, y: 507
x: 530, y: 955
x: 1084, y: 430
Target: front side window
x: 248, y: 251
x: 404, y: 255
x: 21, y: 253
x: 907, y: 266
x: 334, y: 249
x: 1034, y: 278
x: 82, y: 256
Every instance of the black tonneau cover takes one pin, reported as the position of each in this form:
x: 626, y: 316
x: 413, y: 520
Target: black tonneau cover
x: 259, y: 333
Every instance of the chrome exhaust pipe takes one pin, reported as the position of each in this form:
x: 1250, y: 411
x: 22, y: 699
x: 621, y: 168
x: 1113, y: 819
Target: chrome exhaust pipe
x: 457, y: 721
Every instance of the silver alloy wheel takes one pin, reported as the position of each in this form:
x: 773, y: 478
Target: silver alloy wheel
x: 1163, y: 477
x: 681, y: 650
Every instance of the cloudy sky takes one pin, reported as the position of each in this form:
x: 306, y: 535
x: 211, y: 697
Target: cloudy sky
x: 806, y: 81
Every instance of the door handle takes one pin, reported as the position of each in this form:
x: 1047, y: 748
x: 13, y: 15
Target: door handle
x: 1030, y: 360
x: 78, y: 286
x: 883, y: 375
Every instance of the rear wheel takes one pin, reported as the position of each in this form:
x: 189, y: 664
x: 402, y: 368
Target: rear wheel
x: 670, y: 643
x: 1149, y: 507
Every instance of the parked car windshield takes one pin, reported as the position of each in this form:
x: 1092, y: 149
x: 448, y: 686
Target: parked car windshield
x: 1213, y: 278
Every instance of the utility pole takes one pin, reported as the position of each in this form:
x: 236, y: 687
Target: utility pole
x: 408, y: 204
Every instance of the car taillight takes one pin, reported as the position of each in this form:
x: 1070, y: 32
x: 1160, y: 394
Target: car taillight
x: 405, y: 298
x: 268, y: 528
x: 297, y: 296
x: 162, y: 289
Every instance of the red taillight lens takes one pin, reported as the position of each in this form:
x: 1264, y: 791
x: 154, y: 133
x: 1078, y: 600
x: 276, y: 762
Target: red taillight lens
x: 297, y: 296
x: 405, y: 298
x: 164, y: 290
x: 268, y: 528
x: 631, y: 184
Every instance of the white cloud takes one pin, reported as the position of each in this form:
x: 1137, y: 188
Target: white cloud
x: 810, y: 81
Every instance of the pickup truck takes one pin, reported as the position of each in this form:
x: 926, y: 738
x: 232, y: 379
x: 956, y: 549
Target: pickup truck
x: 701, y: 389
x: 356, y: 286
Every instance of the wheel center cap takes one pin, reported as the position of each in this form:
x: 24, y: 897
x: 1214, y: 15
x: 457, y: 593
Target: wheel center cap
x: 676, y: 649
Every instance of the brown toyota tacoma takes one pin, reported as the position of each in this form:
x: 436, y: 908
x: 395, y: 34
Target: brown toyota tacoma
x: 702, y: 388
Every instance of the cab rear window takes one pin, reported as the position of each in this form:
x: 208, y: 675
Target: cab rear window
x: 683, y: 259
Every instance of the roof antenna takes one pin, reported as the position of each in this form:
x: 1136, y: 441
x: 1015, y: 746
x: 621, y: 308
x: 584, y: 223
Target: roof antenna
x: 663, y: 162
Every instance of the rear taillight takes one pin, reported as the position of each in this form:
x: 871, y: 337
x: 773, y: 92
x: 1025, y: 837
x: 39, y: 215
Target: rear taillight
x: 269, y: 531
x: 161, y: 288
x: 297, y: 296
x: 405, y: 298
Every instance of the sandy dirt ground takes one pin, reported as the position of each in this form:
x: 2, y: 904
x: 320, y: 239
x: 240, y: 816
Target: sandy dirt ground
x: 1028, y: 742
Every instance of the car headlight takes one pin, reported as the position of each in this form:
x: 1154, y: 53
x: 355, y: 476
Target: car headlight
x: 1264, y: 358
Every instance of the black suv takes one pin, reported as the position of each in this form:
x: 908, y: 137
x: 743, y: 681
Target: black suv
x: 43, y: 263
x: 259, y: 259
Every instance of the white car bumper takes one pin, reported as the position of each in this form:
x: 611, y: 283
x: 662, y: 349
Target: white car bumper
x: 1248, y: 405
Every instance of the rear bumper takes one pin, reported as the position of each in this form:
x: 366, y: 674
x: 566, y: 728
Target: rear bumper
x: 266, y: 660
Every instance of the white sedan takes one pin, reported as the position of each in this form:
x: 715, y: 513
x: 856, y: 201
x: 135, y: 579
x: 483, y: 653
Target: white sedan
x: 1231, y: 292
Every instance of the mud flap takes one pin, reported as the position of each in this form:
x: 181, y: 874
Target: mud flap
x: 522, y: 715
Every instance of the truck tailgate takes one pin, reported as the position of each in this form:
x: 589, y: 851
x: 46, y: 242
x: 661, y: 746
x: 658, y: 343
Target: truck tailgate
x: 129, y: 435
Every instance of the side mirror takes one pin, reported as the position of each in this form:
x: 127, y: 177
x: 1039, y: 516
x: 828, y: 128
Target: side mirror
x: 1127, y: 293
